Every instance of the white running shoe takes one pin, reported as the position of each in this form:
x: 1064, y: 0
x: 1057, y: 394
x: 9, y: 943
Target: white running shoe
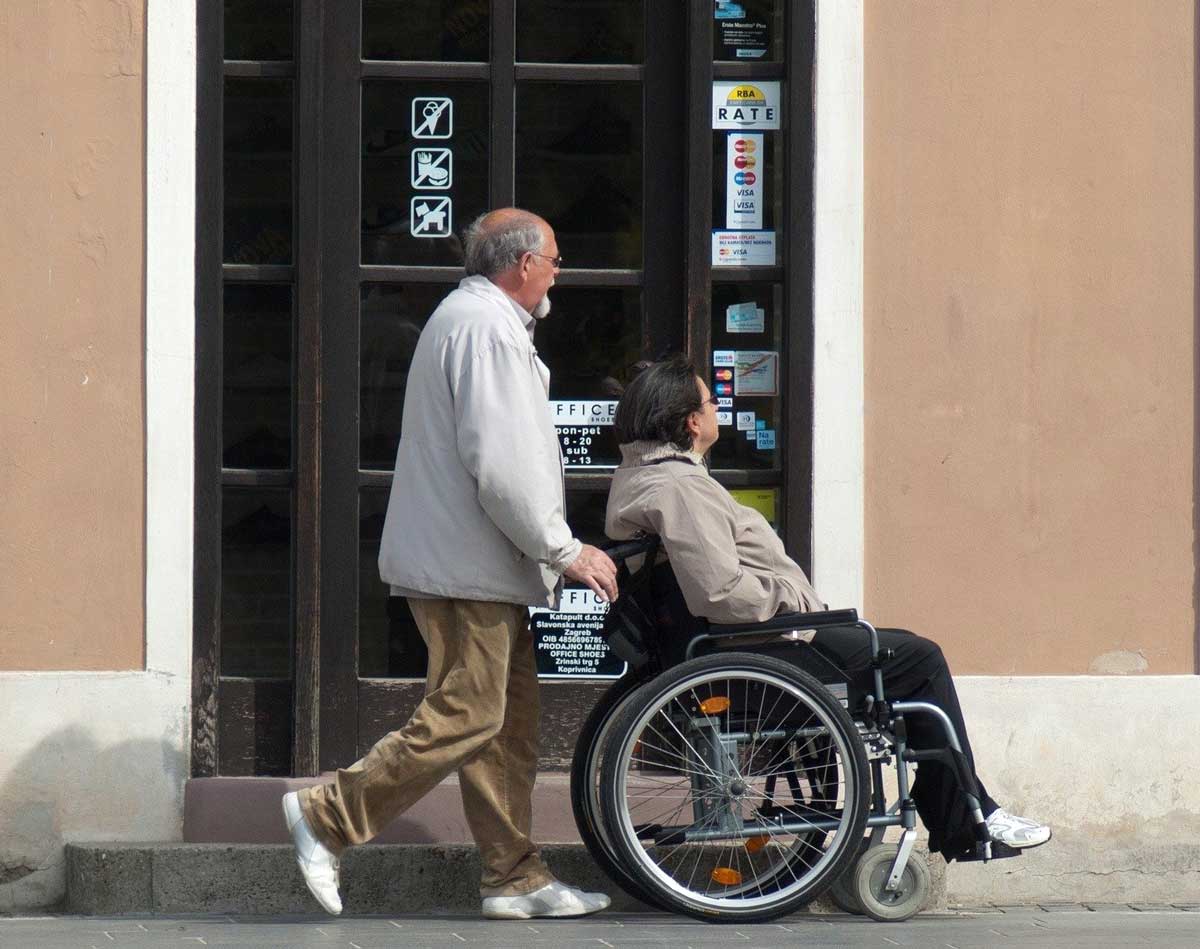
x: 552, y: 900
x: 1016, y: 832
x: 317, y: 863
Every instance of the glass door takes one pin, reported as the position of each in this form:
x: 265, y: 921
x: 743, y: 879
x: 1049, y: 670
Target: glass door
x: 343, y: 147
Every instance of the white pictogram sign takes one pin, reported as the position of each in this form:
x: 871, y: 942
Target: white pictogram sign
x: 432, y: 169
x: 430, y: 216
x: 432, y: 117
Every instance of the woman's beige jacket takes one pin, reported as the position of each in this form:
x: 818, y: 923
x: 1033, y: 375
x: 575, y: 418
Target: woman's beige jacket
x: 730, y: 564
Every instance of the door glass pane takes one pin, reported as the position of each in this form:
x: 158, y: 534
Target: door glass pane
x: 590, y: 341
x: 256, y: 410
x: 424, y: 168
x: 579, y: 165
x: 580, y: 31
x: 748, y: 175
x: 440, y: 30
x: 747, y: 371
x: 256, y: 582
x: 258, y: 29
x: 748, y: 30
x: 258, y: 171
x: 392, y: 318
x: 389, y: 643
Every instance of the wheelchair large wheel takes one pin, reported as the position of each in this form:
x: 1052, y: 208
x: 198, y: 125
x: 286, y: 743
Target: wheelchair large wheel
x: 735, y: 787
x: 585, y: 785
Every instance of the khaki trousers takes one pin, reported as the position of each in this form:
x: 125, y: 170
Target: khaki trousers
x: 479, y: 716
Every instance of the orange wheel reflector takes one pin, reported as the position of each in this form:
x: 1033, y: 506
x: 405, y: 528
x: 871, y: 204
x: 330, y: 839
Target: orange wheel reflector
x: 715, y: 706
x: 755, y: 844
x: 726, y: 876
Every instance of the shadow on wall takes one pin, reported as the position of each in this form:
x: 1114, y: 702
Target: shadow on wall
x: 68, y: 788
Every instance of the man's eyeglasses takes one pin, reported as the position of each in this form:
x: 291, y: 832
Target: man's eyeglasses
x: 711, y: 400
x: 555, y: 262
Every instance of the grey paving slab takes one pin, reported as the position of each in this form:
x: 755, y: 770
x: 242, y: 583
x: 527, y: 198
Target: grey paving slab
x: 1159, y: 925
x: 1153, y: 925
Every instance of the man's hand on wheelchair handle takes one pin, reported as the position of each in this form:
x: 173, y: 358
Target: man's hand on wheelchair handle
x: 595, y: 568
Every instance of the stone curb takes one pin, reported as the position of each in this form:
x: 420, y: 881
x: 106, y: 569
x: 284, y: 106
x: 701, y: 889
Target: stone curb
x: 262, y: 879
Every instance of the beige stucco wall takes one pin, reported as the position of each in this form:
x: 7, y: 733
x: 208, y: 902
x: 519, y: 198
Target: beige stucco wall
x: 71, y: 335
x: 1030, y: 209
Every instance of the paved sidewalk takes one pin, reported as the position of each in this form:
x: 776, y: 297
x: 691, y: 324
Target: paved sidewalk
x: 1048, y: 927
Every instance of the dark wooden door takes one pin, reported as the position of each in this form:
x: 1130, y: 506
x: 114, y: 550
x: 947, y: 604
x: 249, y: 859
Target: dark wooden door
x: 403, y: 122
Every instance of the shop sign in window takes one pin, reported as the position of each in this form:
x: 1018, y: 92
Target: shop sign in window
x: 586, y: 433
x: 569, y: 641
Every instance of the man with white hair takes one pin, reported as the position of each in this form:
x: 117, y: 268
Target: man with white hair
x: 475, y: 535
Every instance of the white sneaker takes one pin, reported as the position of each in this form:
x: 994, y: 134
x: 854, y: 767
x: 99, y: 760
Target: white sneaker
x: 553, y: 900
x: 1016, y: 832
x: 317, y: 863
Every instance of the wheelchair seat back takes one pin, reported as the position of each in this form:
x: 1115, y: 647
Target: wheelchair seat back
x: 650, y: 626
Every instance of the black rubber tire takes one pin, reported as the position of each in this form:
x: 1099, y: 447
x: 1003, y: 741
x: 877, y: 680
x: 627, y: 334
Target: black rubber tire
x: 773, y: 900
x: 842, y: 891
x: 871, y: 873
x: 588, y: 749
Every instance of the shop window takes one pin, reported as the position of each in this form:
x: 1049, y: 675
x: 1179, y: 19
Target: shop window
x: 747, y: 374
x: 420, y: 190
x: 392, y: 318
x: 389, y: 643
x: 748, y: 31
x: 258, y: 171
x: 256, y: 403
x: 256, y: 583
x: 259, y: 29
x: 590, y: 342
x: 580, y: 31
x: 426, y: 30
x: 579, y: 161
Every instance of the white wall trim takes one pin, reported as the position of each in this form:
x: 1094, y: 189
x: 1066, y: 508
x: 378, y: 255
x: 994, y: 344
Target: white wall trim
x: 91, y: 756
x: 170, y: 331
x: 838, y: 401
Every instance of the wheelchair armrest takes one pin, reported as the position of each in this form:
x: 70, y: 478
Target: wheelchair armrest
x: 788, y: 621
x: 622, y: 551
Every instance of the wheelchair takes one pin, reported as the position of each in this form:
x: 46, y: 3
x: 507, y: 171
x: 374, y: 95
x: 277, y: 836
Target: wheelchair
x: 735, y: 774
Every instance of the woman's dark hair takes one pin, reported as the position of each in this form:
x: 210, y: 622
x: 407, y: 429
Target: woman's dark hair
x: 656, y: 404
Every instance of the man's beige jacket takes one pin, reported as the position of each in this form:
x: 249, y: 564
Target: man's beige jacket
x: 730, y: 564
x: 477, y: 504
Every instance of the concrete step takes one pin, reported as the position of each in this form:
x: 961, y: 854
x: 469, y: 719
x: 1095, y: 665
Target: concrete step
x: 246, y: 811
x: 110, y: 879
x: 167, y: 878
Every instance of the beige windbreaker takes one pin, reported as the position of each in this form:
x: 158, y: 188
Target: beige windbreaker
x: 730, y: 564
x: 477, y: 510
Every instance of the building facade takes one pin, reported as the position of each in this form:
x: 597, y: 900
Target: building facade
x: 942, y: 256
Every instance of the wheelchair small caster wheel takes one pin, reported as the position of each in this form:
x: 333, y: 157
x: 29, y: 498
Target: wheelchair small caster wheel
x: 870, y: 879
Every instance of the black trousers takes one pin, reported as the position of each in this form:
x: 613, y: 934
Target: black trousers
x: 917, y: 672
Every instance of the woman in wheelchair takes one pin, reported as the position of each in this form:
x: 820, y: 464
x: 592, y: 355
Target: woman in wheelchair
x: 731, y: 568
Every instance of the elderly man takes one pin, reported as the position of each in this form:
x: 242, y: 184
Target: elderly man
x: 475, y: 534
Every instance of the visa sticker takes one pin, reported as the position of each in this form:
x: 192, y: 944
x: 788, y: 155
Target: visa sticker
x: 724, y: 402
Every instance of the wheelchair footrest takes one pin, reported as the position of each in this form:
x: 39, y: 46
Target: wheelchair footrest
x: 999, y: 852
